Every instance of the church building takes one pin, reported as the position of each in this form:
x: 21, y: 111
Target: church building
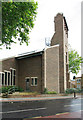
x: 38, y: 70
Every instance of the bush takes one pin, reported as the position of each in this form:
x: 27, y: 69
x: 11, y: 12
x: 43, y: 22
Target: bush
x: 19, y: 89
x: 45, y: 90
x: 4, y: 89
x: 72, y: 90
x: 81, y: 90
x: 51, y: 92
x: 10, y: 89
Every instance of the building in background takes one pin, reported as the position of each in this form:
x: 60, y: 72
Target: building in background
x: 37, y: 70
x: 77, y: 83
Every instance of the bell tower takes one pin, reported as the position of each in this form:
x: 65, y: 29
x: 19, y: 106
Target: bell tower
x: 61, y: 37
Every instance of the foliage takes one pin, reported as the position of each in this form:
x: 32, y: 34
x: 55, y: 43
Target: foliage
x: 72, y: 90
x: 17, y: 21
x: 10, y: 89
x: 45, y: 90
x: 49, y: 92
x: 18, y: 89
x: 79, y: 90
x: 74, y: 61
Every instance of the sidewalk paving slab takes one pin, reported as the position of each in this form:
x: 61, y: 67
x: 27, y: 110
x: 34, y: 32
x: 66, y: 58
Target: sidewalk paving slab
x: 34, y: 98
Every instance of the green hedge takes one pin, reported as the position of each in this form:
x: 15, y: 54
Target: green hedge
x: 72, y: 90
x: 51, y: 92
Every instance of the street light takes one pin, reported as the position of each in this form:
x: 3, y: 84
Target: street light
x: 74, y: 87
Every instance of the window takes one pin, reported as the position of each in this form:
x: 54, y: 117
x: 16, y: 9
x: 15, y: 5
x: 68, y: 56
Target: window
x: 13, y: 75
x: 2, y: 75
x: 66, y: 57
x: 5, y: 78
x: 34, y: 81
x: 78, y: 86
x: 8, y: 78
x: 78, y: 80
x: 2, y: 78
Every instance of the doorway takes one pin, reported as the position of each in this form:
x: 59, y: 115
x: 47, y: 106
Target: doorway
x: 27, y: 84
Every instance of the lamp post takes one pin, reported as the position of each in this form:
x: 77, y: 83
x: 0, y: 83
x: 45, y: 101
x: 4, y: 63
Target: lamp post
x: 74, y: 92
x: 74, y: 88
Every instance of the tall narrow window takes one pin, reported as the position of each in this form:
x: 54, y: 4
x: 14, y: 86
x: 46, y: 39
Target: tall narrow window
x: 32, y: 82
x: 2, y: 78
x: 35, y: 81
x: 11, y: 77
x: 14, y: 77
x: 5, y: 78
x: 8, y: 78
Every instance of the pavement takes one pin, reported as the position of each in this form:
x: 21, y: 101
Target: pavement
x: 71, y: 115
x: 36, y: 98
x: 66, y: 115
x: 61, y: 116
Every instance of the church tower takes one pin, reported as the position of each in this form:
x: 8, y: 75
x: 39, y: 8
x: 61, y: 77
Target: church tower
x: 61, y: 37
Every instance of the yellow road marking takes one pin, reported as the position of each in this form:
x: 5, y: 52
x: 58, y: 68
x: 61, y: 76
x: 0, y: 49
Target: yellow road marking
x: 37, y: 117
x: 62, y: 113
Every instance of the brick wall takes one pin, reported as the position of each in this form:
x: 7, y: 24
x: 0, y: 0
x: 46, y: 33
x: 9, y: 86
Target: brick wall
x: 52, y: 68
x: 60, y: 37
x: 67, y: 76
x: 30, y: 67
x: 0, y: 66
x: 10, y: 63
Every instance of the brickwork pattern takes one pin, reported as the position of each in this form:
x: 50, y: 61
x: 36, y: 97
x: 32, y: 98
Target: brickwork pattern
x: 30, y: 67
x: 0, y: 66
x: 52, y: 69
x: 10, y: 63
x: 60, y: 37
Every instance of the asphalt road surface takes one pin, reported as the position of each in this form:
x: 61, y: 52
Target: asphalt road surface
x: 31, y: 109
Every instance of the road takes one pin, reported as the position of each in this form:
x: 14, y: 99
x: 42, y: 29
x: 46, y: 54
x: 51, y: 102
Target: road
x: 31, y: 109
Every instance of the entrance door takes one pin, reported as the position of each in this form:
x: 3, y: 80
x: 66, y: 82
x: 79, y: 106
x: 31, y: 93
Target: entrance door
x: 27, y: 84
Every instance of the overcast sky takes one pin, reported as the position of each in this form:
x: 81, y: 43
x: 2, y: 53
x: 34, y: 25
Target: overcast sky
x: 44, y: 26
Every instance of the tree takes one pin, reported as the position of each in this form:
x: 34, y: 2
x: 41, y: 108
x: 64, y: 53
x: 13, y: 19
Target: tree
x: 17, y: 21
x: 74, y: 61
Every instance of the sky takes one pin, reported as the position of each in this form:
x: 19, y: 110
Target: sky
x: 44, y: 26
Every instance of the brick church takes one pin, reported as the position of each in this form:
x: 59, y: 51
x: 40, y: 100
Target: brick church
x: 37, y: 70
